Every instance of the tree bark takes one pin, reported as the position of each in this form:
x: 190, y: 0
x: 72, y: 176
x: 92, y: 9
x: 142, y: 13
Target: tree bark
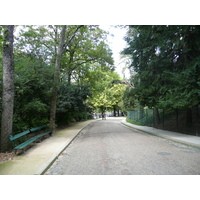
x: 157, y: 116
x: 56, y: 80
x: 114, y: 109
x: 8, y: 88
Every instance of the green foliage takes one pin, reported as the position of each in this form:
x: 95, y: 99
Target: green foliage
x: 166, y: 61
x: 33, y: 81
x: 86, y: 62
x: 141, y: 117
x: 88, y: 47
x: 71, y: 105
x: 1, y: 37
x: 135, y: 122
x: 128, y: 99
x: 105, y: 94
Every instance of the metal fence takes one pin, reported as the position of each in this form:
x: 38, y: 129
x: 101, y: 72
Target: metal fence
x: 185, y: 121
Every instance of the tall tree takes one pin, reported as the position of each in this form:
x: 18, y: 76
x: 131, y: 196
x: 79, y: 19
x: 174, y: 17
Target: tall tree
x: 8, y: 88
x: 164, y: 58
x: 88, y: 47
x: 56, y: 79
x: 105, y: 93
x: 36, y: 49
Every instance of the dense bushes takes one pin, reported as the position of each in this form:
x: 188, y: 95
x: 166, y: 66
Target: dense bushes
x: 33, y: 84
x: 71, y: 104
x: 50, y: 78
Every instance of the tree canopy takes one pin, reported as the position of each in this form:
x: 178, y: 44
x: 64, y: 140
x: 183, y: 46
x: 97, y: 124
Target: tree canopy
x: 106, y: 95
x: 72, y: 68
x: 73, y: 73
x: 166, y: 63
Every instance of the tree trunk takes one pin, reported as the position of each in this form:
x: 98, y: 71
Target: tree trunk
x: 56, y: 80
x: 69, y: 78
x: 114, y: 111
x: 8, y: 88
x: 157, y: 116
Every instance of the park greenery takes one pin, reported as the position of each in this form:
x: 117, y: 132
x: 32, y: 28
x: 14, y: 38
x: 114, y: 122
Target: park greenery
x: 61, y: 74
x: 54, y: 75
x: 165, y: 72
x: 165, y: 66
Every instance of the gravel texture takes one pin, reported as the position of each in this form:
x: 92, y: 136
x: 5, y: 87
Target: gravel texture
x: 105, y: 147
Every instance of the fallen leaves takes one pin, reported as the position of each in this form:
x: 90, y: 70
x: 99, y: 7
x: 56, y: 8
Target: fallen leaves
x: 6, y: 156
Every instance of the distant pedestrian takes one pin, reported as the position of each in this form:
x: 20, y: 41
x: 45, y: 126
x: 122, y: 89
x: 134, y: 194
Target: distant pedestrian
x: 103, y: 116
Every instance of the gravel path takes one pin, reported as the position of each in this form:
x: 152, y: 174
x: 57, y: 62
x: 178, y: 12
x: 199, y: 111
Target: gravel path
x: 105, y: 147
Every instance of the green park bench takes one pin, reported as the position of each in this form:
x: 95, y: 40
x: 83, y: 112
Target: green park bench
x: 26, y: 138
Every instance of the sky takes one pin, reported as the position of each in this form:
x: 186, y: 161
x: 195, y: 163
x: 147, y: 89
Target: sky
x: 117, y: 44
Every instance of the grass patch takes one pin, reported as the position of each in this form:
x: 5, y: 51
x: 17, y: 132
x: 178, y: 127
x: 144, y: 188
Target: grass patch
x: 135, y: 122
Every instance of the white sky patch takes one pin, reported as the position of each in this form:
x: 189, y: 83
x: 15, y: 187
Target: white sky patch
x: 117, y: 44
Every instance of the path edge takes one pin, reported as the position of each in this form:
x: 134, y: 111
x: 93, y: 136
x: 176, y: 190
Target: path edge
x: 50, y: 162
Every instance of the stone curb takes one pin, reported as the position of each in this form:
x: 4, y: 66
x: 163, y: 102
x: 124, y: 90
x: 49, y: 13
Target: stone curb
x: 160, y: 135
x: 48, y: 164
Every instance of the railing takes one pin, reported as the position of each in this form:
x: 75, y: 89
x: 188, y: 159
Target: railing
x: 185, y: 121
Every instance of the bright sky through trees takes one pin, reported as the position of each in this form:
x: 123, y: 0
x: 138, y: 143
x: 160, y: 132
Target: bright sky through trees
x: 117, y: 44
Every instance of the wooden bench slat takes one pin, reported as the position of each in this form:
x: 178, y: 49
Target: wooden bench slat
x: 37, y: 128
x: 19, y: 135
x: 24, y: 144
x: 42, y: 134
x: 31, y: 140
